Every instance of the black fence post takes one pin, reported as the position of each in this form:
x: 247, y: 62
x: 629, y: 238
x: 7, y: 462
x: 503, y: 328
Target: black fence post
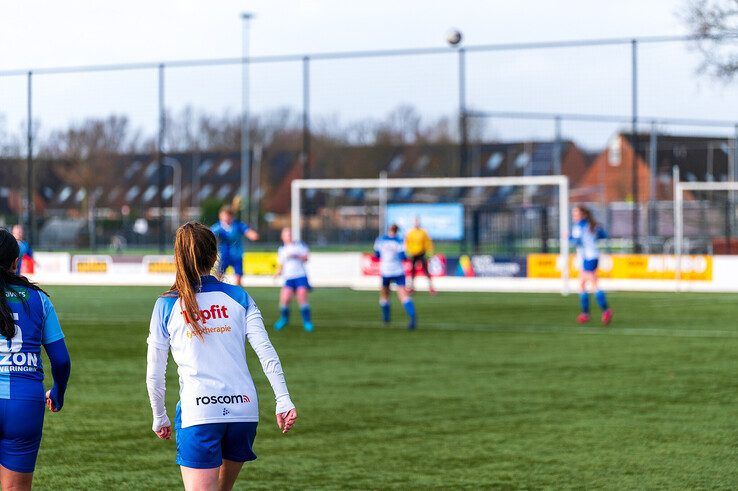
x: 160, y: 159
x: 463, y: 127
x: 306, y: 117
x: 30, y: 208
x: 634, y: 144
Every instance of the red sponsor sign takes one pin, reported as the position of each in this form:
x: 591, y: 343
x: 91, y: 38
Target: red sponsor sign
x: 436, y: 265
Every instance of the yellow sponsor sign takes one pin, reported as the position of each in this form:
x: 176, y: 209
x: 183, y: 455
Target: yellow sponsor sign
x: 91, y: 264
x: 627, y: 267
x: 260, y: 263
x: 161, y: 267
x: 92, y: 267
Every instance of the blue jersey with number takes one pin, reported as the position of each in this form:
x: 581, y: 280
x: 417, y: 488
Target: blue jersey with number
x: 230, y: 238
x: 36, y: 325
x: 24, y: 250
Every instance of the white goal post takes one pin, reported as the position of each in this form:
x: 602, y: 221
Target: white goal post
x: 679, y: 189
x: 383, y: 184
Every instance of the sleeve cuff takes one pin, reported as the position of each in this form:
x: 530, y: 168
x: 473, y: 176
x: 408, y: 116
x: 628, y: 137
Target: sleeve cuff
x: 284, y: 404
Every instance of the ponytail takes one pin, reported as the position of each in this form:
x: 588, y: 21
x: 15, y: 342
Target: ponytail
x: 195, y: 252
x: 591, y: 222
x: 9, y: 253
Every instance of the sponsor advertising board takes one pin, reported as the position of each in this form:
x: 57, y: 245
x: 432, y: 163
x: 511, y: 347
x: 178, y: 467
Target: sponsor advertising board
x: 442, y: 221
x: 627, y: 266
x: 436, y: 265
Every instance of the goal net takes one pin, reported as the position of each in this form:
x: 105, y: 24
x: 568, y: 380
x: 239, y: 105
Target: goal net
x: 470, y: 219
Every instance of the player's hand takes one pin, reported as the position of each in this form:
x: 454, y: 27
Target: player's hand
x: 50, y: 403
x: 286, y: 420
x: 164, y: 433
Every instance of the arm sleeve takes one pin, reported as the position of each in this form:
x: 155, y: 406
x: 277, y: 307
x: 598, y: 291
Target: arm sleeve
x: 262, y: 346
x: 52, y: 330
x: 156, y: 375
x: 244, y: 227
x: 376, y: 248
x: 61, y: 367
x: 601, y: 234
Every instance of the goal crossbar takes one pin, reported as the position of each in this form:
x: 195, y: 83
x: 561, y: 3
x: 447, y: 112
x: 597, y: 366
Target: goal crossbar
x: 559, y: 181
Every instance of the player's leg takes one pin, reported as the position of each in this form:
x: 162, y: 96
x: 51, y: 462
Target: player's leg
x: 237, y: 264
x: 20, y: 481
x: 237, y: 446
x: 302, y: 299
x: 424, y: 263
x: 22, y: 425
x: 403, y: 294
x: 384, y: 300
x: 200, y: 479
x: 413, y: 271
x: 285, y: 296
x: 584, y: 314
x: 601, y: 299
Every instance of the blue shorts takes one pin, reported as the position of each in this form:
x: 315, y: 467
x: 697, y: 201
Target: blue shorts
x: 590, y: 265
x: 295, y: 283
x: 235, y: 262
x: 206, y: 446
x: 21, y: 424
x: 397, y: 280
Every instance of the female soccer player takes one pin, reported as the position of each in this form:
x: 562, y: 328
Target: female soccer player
x: 292, y: 257
x: 584, y: 236
x: 230, y: 233
x: 206, y: 323
x: 391, y: 252
x: 27, y: 322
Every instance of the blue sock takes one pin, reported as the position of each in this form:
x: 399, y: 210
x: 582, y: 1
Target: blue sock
x: 601, y: 299
x: 410, y: 309
x: 305, y: 312
x: 584, y: 301
x: 284, y: 312
x: 385, y: 306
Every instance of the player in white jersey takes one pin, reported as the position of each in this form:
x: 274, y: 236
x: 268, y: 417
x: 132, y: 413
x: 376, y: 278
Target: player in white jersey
x: 390, y: 250
x: 585, y: 234
x: 206, y: 323
x: 291, y: 259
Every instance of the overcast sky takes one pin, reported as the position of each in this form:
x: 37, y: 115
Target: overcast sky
x: 36, y: 33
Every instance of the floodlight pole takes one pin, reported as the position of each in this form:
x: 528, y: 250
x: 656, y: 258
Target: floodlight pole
x: 245, y: 137
x: 160, y: 158
x: 634, y: 142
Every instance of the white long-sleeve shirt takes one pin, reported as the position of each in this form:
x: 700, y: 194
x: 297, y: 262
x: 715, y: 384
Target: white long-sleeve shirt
x: 215, y: 385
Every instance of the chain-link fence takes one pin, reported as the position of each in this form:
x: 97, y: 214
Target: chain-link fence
x: 121, y: 155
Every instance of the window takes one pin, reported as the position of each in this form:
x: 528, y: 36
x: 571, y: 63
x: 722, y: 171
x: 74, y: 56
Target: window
x: 132, y: 169
x: 395, y: 164
x: 64, y: 194
x: 149, y: 193
x: 132, y: 193
x: 224, y: 167
x: 205, y: 167
x: 80, y: 195
x: 223, y: 191
x: 495, y: 161
x: 522, y: 160
x: 205, y: 191
x: 168, y: 192
x: 151, y: 169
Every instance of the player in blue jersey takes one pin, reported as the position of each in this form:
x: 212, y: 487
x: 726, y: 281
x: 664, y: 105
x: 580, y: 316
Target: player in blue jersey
x: 205, y: 324
x: 25, y: 251
x: 585, y: 234
x: 390, y: 250
x: 230, y: 233
x: 291, y: 257
x: 27, y: 322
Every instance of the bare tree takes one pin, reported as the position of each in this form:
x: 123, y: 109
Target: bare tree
x: 87, y: 156
x: 714, y: 24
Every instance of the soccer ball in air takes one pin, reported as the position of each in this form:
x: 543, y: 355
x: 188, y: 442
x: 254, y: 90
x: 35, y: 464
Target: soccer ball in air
x: 454, y: 37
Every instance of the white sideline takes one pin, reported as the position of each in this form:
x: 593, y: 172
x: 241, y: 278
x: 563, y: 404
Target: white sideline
x: 358, y: 282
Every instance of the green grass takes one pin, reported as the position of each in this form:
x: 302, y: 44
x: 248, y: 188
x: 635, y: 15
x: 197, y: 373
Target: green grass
x: 493, y: 391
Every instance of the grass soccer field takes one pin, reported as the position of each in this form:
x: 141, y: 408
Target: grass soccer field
x: 493, y: 391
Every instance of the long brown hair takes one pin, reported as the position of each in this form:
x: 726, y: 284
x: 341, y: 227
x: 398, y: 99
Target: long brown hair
x: 587, y: 214
x: 195, y: 253
x: 9, y: 252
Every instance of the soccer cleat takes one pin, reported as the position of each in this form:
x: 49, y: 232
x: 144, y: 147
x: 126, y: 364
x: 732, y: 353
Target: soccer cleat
x: 308, y: 326
x: 607, y: 316
x: 280, y: 324
x: 583, y: 318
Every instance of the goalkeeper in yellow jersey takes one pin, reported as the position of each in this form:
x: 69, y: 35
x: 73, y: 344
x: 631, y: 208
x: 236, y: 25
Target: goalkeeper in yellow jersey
x: 419, y: 246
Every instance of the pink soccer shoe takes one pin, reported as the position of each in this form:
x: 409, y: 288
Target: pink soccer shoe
x: 607, y: 316
x: 583, y: 318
